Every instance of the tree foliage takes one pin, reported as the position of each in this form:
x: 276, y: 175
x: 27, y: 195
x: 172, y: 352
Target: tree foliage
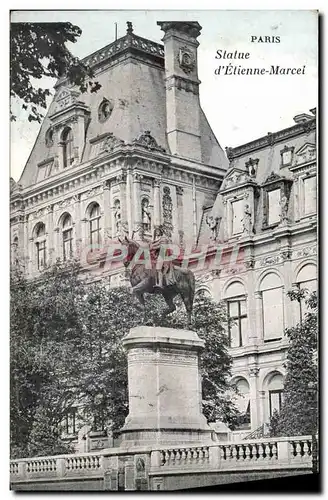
x: 299, y: 412
x: 66, y: 350
x: 39, y: 50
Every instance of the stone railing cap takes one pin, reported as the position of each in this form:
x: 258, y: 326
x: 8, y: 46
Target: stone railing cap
x: 161, y: 335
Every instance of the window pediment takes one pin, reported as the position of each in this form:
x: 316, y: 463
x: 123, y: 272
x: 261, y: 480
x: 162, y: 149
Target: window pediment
x: 307, y: 153
x: 66, y: 98
x: 236, y: 178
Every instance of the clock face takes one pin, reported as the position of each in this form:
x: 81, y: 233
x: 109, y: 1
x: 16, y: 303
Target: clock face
x: 186, y: 60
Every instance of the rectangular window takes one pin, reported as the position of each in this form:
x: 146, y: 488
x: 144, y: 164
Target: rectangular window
x: 274, y: 209
x: 95, y: 232
x: 287, y: 157
x: 41, y: 254
x: 67, y: 244
x: 237, y: 216
x: 275, y: 400
x: 272, y: 304
x: 310, y: 195
x: 237, y: 321
x: 70, y: 422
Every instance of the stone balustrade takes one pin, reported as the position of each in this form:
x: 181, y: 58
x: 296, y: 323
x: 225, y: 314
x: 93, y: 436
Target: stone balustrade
x: 271, y: 454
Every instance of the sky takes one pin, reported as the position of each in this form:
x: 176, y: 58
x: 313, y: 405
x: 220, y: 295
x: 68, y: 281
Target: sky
x: 239, y: 108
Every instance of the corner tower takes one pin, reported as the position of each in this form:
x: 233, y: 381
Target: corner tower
x: 183, y: 112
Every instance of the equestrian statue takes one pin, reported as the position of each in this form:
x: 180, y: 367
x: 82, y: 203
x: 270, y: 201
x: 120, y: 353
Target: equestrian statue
x: 168, y: 279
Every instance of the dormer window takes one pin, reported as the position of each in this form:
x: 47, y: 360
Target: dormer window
x: 67, y: 145
x: 274, y: 211
x: 276, y: 193
x: 286, y: 156
x: 252, y: 165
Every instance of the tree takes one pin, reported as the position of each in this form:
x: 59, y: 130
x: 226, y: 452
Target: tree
x: 39, y: 50
x: 299, y: 412
x: 66, y: 350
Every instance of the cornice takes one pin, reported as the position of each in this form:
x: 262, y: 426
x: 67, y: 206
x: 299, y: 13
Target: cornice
x: 271, y: 139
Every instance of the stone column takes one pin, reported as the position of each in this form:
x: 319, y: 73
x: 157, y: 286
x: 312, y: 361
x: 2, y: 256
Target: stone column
x: 50, y: 231
x: 157, y: 203
x: 78, y: 223
x: 253, y: 386
x: 107, y: 212
x: 26, y: 248
x: 253, y: 306
x: 179, y: 191
x: 128, y: 202
x: 164, y: 387
x: 136, y: 216
x: 259, y: 315
x: 194, y: 210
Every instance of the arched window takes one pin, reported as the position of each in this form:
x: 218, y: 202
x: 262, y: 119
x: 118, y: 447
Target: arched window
x: 272, y: 307
x: 67, y: 144
x: 275, y: 390
x: 306, y: 279
x: 40, y: 244
x: 203, y: 292
x: 237, y: 313
x: 94, y: 224
x: 243, y: 404
x: 67, y: 235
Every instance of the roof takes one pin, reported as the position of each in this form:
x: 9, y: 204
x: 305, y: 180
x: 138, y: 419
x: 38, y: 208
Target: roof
x: 131, y: 73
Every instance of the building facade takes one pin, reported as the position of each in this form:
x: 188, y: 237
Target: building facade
x: 140, y: 153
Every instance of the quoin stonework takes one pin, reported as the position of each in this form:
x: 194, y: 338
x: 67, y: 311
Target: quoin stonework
x: 140, y: 153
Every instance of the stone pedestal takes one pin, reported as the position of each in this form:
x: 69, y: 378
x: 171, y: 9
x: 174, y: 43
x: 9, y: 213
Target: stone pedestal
x: 164, y: 388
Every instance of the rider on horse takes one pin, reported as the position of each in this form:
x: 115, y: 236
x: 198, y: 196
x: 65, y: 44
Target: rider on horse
x: 159, y: 239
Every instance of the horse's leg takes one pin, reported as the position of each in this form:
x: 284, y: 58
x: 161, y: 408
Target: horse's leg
x: 188, y: 302
x: 169, y: 302
x: 138, y: 291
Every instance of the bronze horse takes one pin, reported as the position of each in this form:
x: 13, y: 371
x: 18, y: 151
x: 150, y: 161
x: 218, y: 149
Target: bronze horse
x: 143, y: 281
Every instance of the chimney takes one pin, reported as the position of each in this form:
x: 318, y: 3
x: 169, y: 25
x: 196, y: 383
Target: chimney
x: 182, y: 88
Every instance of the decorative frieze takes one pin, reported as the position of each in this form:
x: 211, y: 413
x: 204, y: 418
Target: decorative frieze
x: 305, y: 252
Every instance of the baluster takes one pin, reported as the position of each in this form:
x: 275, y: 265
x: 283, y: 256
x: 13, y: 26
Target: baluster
x: 178, y: 455
x: 298, y: 449
x: 274, y: 450
x: 189, y: 455
x: 255, y: 452
x: 200, y: 455
x: 247, y: 452
x: 167, y: 456
x: 183, y: 455
x: 234, y: 452
x: 306, y: 448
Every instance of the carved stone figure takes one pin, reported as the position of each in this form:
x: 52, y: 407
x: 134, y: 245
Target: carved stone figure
x: 214, y: 225
x: 283, y: 207
x: 247, y: 220
x: 145, y: 214
x: 117, y: 215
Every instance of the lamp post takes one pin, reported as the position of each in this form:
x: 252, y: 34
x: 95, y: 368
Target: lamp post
x: 312, y: 387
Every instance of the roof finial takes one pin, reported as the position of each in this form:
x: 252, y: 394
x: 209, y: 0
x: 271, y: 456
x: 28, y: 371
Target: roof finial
x: 130, y: 28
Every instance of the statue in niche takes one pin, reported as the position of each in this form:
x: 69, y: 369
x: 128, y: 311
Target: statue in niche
x: 145, y: 214
x: 214, y: 225
x: 247, y: 220
x: 283, y: 207
x: 117, y: 215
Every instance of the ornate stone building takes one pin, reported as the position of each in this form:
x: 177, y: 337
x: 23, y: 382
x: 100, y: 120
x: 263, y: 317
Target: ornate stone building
x: 139, y: 153
x: 266, y: 209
